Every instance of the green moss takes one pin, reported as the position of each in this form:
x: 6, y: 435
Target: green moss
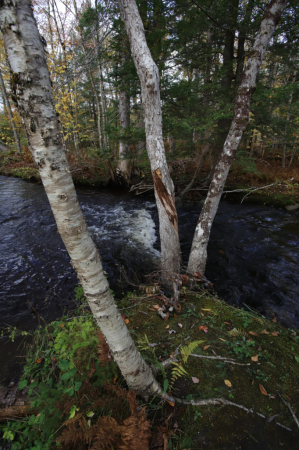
x: 277, y: 370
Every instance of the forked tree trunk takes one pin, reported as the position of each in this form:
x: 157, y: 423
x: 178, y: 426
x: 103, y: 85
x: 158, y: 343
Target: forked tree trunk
x: 10, y: 115
x: 29, y: 71
x: 198, y: 255
x: 164, y: 190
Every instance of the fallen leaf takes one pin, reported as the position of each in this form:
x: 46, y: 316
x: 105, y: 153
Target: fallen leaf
x: 166, y: 328
x: 275, y: 333
x: 222, y: 339
x: 252, y: 381
x: 171, y: 403
x: 206, y: 347
x: 274, y: 320
x: 265, y: 332
x: 263, y: 390
x: 151, y: 309
x: 39, y: 360
x: 272, y: 396
x: 294, y: 334
x: 61, y: 325
x: 175, y: 315
x: 156, y: 306
x: 227, y: 323
x: 127, y: 321
x: 184, y: 279
x: 253, y: 333
x: 180, y: 325
x: 255, y: 358
x: 124, y: 316
x: 257, y: 320
x: 171, y: 331
x: 195, y: 380
x: 228, y: 383
x: 205, y: 309
x: 171, y: 355
x: 203, y: 328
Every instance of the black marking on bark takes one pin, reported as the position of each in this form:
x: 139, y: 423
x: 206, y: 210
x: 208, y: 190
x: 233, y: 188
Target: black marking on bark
x: 32, y: 125
x: 166, y: 199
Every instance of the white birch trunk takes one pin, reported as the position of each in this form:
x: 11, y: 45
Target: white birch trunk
x: 124, y: 121
x: 36, y: 105
x: 198, y: 255
x: 10, y: 115
x: 150, y: 91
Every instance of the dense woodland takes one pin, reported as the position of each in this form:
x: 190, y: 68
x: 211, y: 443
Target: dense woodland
x: 199, y: 47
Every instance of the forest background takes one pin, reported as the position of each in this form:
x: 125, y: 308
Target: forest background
x: 200, y: 49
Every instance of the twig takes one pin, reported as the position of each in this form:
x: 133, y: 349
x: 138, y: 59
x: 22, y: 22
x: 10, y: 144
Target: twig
x: 257, y: 189
x: 290, y: 408
x: 227, y: 360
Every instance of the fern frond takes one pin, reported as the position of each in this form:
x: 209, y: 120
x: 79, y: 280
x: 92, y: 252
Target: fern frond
x: 188, y: 349
x: 178, y: 371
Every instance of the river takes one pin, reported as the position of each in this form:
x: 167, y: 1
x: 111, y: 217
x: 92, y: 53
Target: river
x: 253, y: 253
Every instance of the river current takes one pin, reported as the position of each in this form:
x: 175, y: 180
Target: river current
x: 253, y: 252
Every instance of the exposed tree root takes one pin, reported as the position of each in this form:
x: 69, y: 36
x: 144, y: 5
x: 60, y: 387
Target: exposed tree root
x: 290, y: 408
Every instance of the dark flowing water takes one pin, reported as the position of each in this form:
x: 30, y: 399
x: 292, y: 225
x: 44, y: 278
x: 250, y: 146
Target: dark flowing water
x: 253, y: 251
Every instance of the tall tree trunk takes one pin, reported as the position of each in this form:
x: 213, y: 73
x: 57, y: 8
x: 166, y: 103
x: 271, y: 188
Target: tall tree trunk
x: 150, y: 90
x: 198, y: 255
x: 90, y: 76
x: 241, y: 41
x: 286, y: 126
x: 141, y: 125
x: 104, y: 108
x: 28, y: 66
x: 226, y: 81
x: 10, y: 115
x: 124, y: 121
x: 206, y: 96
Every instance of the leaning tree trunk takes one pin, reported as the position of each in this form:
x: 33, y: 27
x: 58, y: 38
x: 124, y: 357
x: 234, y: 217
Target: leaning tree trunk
x: 30, y: 75
x: 164, y: 190
x: 198, y: 255
x: 10, y: 115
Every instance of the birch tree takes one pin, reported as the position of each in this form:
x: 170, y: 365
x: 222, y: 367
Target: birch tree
x: 150, y: 91
x: 31, y: 79
x: 198, y: 255
x: 10, y: 115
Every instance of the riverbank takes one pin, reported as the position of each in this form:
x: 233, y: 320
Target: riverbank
x: 266, y: 184
x: 239, y: 356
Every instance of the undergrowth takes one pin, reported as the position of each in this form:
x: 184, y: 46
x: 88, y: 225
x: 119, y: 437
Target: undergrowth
x: 77, y: 401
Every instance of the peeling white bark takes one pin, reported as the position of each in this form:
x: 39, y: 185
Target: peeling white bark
x: 36, y: 105
x: 150, y: 91
x: 198, y: 255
